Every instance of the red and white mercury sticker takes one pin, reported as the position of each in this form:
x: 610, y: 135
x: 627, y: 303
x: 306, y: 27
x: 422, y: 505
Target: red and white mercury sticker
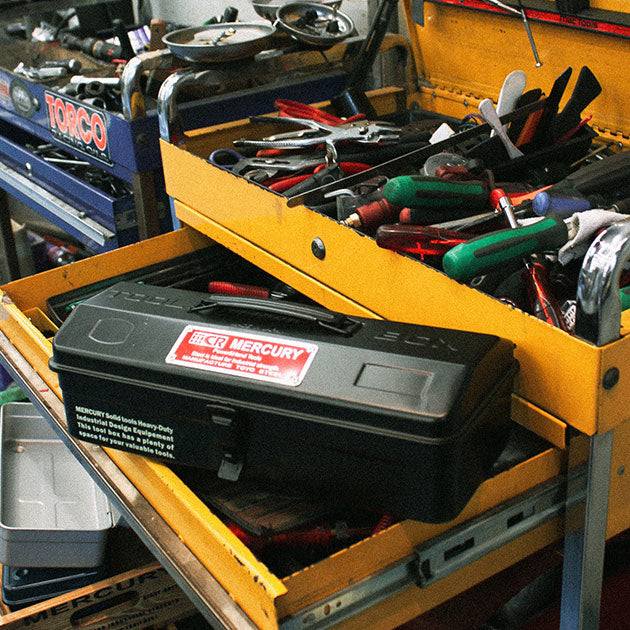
x: 243, y: 354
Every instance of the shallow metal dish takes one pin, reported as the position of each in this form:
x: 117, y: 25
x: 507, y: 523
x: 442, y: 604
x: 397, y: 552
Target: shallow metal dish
x: 308, y: 22
x: 268, y: 9
x: 219, y: 42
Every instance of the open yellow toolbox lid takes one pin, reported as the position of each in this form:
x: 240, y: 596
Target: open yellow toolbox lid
x: 462, y: 55
x: 465, y: 48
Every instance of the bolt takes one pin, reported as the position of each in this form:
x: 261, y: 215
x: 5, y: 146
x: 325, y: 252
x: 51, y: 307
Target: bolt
x: 142, y: 139
x: 611, y: 378
x: 621, y: 470
x: 318, y: 248
x: 29, y: 168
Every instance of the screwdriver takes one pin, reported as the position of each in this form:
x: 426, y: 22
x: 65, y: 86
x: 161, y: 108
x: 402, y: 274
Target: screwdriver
x: 480, y: 254
x: 417, y: 239
x: 566, y: 205
x: 543, y: 304
x: 371, y: 215
x: 437, y: 193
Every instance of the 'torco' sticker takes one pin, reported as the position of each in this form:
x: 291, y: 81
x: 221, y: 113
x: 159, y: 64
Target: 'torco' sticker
x: 243, y: 354
x: 76, y: 124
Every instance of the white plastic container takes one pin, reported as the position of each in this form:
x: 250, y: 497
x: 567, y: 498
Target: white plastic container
x: 52, y: 514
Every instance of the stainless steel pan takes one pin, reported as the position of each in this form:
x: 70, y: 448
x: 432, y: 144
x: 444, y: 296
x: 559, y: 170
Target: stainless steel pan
x: 268, y: 9
x: 219, y: 42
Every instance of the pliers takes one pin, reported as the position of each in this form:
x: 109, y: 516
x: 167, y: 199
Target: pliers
x: 317, y: 132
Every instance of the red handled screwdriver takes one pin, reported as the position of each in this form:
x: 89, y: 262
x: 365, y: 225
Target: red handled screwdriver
x: 369, y: 216
x: 419, y: 239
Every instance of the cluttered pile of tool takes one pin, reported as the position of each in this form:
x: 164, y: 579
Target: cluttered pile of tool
x: 509, y: 207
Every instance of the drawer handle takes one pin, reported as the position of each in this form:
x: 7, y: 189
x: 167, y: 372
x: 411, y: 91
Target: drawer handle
x: 329, y: 320
x: 598, y: 314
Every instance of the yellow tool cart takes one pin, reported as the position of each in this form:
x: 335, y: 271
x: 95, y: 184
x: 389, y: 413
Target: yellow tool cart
x: 569, y: 390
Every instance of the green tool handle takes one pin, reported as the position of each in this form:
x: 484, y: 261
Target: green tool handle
x: 417, y: 191
x: 478, y: 255
x: 624, y: 294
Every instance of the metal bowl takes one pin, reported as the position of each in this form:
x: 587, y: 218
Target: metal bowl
x: 314, y: 23
x: 219, y: 42
x: 268, y: 9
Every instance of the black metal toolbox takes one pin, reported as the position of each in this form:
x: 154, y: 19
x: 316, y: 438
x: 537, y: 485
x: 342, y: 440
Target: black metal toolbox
x: 399, y: 418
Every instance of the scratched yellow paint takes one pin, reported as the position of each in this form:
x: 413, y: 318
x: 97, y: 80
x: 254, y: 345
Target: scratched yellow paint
x: 471, y: 52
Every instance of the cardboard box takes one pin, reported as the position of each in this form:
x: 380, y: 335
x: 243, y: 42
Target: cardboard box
x: 139, y: 598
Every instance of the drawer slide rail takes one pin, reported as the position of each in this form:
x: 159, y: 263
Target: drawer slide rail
x: 445, y: 554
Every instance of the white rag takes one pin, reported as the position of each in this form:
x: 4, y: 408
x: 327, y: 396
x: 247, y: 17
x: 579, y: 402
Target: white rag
x: 583, y: 226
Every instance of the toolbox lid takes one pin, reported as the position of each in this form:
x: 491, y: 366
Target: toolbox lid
x: 424, y: 382
x: 464, y: 49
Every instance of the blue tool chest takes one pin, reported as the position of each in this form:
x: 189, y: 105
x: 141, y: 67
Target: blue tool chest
x: 118, y: 152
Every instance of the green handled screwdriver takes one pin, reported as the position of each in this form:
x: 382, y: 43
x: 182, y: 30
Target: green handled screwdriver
x: 436, y: 193
x: 480, y: 254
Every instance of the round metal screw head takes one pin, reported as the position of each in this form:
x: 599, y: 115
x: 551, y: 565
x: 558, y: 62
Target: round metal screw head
x: 318, y: 248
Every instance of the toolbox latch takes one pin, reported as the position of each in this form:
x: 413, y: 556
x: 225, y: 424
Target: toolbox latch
x: 228, y: 429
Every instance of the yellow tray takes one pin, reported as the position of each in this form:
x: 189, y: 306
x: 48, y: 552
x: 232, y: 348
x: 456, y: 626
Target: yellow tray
x: 267, y: 599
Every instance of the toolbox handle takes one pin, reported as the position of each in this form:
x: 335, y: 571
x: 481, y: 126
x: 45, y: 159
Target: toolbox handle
x: 131, y: 94
x: 598, y: 313
x: 329, y: 320
x: 169, y: 118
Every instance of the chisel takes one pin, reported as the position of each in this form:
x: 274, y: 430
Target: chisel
x: 551, y: 107
x: 531, y: 96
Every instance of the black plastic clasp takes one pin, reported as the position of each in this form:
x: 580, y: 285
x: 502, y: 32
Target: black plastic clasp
x: 229, y: 430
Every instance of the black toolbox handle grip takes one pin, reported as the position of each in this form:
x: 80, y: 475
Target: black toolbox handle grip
x: 329, y: 320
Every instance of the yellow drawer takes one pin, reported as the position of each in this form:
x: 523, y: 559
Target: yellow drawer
x: 269, y: 600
